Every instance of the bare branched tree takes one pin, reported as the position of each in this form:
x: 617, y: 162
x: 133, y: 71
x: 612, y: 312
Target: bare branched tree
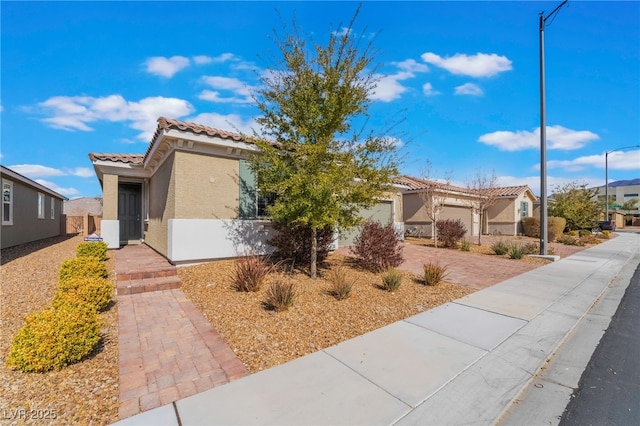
x: 483, y: 187
x: 433, y: 197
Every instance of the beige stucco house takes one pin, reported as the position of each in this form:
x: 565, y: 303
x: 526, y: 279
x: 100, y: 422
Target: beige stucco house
x: 191, y: 196
x: 503, y: 216
x: 512, y: 203
x: 457, y: 204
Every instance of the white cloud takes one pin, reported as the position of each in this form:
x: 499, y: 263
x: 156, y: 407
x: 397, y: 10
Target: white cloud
x: 411, y: 65
x: 34, y: 171
x: 388, y: 87
x: 76, y: 112
x: 342, y: 32
x: 428, y: 90
x: 202, y: 59
x: 68, y: 192
x: 558, y: 137
x: 240, y: 91
x: 469, y: 89
x: 629, y: 160
x: 166, y: 67
x: 478, y: 65
x: 230, y: 122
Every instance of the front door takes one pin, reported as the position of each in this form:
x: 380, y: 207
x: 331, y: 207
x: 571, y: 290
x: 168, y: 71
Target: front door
x: 129, y: 211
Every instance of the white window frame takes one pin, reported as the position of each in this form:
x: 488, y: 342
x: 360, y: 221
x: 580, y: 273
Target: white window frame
x: 9, y: 221
x: 53, y: 208
x: 40, y: 205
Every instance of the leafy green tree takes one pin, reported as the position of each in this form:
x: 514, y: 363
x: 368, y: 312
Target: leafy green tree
x: 320, y: 169
x: 631, y: 204
x: 577, y: 204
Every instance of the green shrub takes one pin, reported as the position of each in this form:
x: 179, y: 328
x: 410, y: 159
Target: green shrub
x: 434, y: 273
x: 555, y: 227
x: 97, y: 249
x: 391, y: 279
x: 339, y: 285
x: 81, y: 267
x: 573, y: 233
x: 450, y: 232
x: 293, y: 242
x: 280, y: 295
x: 378, y: 247
x: 465, y: 245
x: 606, y: 235
x: 531, y: 226
x: 92, y: 290
x: 500, y: 247
x: 516, y: 251
x: 250, y: 272
x: 583, y: 232
x: 567, y: 240
x: 588, y: 239
x: 55, y: 337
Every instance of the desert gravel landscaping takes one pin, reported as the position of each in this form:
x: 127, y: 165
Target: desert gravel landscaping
x: 262, y: 338
x: 82, y: 393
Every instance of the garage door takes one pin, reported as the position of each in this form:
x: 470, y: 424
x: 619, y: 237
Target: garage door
x: 381, y: 212
x: 455, y: 212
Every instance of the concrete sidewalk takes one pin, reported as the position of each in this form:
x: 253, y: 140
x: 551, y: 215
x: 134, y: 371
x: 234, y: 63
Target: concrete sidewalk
x: 464, y: 362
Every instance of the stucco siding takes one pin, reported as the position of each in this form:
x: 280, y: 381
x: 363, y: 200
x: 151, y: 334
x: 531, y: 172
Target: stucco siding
x: 161, y: 205
x: 26, y: 226
x: 110, y: 197
x: 206, y: 186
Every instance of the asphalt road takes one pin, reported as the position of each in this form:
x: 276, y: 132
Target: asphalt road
x: 609, y: 389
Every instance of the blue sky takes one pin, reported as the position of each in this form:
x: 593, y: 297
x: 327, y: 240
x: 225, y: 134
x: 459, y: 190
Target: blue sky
x: 80, y: 77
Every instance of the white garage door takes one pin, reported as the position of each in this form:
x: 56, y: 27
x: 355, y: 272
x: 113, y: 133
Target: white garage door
x: 381, y: 212
x: 455, y: 212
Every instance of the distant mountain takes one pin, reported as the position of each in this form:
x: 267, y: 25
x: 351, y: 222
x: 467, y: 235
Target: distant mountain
x: 629, y: 182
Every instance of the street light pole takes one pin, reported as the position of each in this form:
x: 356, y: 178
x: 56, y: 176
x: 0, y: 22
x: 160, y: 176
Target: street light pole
x: 606, y: 177
x: 543, y: 136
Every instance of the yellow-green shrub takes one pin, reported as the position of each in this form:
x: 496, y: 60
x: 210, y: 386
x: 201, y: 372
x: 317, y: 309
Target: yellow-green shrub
x: 531, y: 226
x: 97, y: 249
x: 55, y: 337
x: 555, y: 226
x: 93, y: 290
x: 80, y: 267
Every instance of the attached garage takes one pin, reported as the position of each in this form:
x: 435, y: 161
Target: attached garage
x: 381, y: 212
x: 458, y: 212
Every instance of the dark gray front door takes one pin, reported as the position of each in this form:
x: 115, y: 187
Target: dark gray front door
x: 129, y: 211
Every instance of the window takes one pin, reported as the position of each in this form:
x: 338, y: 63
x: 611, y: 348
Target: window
x: 252, y: 204
x: 524, y: 209
x: 7, y: 202
x: 631, y: 195
x: 53, y: 208
x: 264, y: 202
x: 40, y: 205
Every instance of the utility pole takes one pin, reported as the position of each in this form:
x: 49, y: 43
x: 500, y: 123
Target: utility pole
x: 543, y: 136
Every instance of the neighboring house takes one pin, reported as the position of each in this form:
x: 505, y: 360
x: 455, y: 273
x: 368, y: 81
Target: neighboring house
x: 30, y: 211
x: 512, y: 204
x: 82, y: 206
x: 457, y: 205
x: 191, y: 196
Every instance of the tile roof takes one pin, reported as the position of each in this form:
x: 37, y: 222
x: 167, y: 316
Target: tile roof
x: 415, y: 184
x: 508, y: 191
x: 134, y: 159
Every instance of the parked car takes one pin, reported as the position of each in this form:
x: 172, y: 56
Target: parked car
x: 607, y: 225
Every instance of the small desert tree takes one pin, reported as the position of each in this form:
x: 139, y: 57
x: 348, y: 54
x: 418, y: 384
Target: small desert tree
x: 482, y: 187
x: 576, y: 203
x: 321, y: 171
x: 433, y: 196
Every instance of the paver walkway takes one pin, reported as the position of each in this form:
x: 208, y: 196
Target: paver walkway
x: 168, y: 349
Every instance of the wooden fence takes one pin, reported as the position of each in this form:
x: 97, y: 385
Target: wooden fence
x: 85, y: 225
